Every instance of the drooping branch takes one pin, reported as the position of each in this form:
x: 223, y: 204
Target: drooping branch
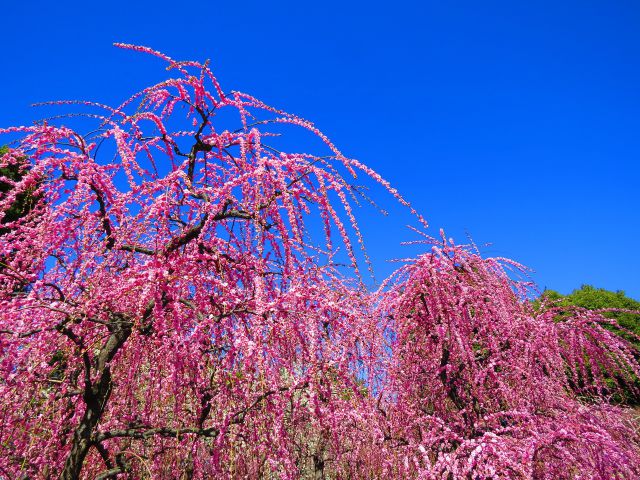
x: 106, y: 223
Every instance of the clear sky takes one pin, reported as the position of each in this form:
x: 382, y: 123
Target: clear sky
x: 514, y: 122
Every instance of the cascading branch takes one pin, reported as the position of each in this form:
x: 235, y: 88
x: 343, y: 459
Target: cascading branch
x: 169, y: 312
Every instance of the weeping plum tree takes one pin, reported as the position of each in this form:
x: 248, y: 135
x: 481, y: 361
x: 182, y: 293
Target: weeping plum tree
x: 183, y: 319
x: 484, y: 385
x: 178, y: 319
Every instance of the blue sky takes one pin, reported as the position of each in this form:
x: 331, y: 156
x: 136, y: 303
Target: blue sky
x: 513, y: 122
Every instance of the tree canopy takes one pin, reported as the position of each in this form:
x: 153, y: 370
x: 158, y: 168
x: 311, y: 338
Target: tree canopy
x: 190, y: 316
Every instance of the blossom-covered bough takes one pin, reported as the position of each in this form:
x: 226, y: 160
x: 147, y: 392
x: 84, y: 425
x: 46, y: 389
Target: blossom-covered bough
x: 168, y: 310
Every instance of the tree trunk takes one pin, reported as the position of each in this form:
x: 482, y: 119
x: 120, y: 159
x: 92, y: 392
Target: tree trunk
x: 95, y: 396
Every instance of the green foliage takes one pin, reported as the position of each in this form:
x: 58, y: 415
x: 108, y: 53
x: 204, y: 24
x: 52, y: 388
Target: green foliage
x: 599, y: 299
x: 593, y: 298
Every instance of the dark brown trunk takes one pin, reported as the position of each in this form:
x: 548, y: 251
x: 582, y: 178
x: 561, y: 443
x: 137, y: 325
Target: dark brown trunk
x: 96, y: 396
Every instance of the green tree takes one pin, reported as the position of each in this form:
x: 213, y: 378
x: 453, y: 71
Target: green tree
x: 615, y: 305
x: 593, y: 298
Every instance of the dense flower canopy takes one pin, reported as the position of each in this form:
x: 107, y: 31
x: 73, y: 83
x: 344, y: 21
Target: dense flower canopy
x: 174, y: 306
